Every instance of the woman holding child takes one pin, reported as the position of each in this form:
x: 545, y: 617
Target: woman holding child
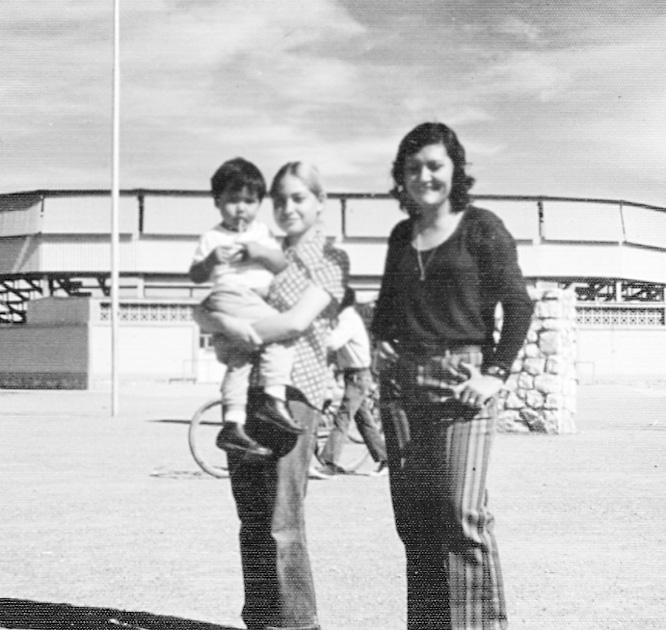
x: 448, y: 265
x: 269, y: 481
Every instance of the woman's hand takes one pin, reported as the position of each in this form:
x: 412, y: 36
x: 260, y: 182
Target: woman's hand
x: 241, y: 333
x: 294, y: 322
x: 384, y: 356
x: 478, y: 389
x: 237, y: 331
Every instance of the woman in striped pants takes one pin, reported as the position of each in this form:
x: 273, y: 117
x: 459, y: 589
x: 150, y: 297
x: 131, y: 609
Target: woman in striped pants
x: 448, y: 265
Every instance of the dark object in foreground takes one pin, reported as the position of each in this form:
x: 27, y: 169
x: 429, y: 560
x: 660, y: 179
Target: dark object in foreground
x: 28, y: 614
x: 274, y: 411
x: 232, y: 437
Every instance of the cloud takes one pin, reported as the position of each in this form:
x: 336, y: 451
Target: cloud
x: 338, y: 82
x: 520, y: 29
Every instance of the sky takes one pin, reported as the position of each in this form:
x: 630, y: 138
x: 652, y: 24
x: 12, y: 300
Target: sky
x: 560, y: 98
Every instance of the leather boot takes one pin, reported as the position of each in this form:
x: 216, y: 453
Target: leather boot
x: 232, y: 437
x: 275, y: 412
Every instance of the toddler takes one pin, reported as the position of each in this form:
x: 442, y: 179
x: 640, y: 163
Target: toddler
x: 240, y: 257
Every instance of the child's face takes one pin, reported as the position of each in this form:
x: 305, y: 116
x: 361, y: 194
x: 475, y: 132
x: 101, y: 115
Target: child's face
x: 238, y: 208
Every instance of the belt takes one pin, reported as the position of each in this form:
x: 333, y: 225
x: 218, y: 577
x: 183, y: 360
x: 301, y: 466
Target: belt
x: 435, y: 350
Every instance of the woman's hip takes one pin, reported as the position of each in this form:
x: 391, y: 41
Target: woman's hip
x: 430, y: 378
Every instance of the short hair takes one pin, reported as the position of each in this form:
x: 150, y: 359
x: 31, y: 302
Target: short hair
x: 305, y: 171
x: 423, y: 135
x: 235, y: 175
x: 349, y: 298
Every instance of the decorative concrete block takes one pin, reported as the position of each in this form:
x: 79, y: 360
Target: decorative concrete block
x: 532, y: 335
x: 555, y: 365
x: 531, y: 350
x: 559, y: 421
x: 550, y: 342
x: 525, y: 381
x: 534, y: 366
x: 554, y: 401
x: 551, y: 309
x: 534, y: 399
x: 548, y: 383
x: 511, y: 422
x: 533, y: 420
x: 554, y: 324
x: 513, y: 401
x: 542, y: 387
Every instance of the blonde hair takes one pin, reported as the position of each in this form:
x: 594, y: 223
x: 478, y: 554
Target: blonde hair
x: 305, y: 171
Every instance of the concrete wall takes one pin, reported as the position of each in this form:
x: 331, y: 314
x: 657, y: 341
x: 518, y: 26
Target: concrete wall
x: 44, y: 356
x: 621, y: 351
x: 145, y: 351
x: 66, y: 343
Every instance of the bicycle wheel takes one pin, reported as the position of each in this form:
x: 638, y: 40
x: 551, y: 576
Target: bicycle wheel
x: 204, y: 427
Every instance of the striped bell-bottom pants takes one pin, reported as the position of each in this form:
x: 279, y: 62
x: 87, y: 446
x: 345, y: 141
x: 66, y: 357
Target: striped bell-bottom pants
x: 438, y: 455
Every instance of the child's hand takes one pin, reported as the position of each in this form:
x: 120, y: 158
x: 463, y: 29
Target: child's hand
x: 223, y: 254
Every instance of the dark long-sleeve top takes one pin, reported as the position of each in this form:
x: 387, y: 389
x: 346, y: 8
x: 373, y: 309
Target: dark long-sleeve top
x: 465, y: 277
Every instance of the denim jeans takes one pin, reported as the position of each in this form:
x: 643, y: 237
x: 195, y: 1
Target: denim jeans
x: 354, y: 405
x: 438, y: 455
x: 279, y: 591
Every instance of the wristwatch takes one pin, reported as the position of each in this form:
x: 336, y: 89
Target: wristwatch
x: 497, y: 371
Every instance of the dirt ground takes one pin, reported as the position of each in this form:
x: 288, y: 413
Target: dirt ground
x: 111, y: 517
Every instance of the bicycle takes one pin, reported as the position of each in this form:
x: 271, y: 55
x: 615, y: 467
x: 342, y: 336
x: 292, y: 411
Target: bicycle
x: 204, y: 426
x: 206, y: 423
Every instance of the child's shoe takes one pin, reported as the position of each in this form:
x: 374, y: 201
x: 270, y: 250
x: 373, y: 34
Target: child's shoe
x: 232, y: 437
x: 274, y: 411
x: 317, y: 472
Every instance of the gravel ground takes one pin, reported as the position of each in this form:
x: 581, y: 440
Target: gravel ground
x: 106, y: 522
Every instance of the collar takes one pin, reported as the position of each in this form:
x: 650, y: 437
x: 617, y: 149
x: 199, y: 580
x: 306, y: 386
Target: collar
x: 310, y: 250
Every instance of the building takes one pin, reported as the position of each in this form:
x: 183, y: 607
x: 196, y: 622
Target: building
x: 55, y: 276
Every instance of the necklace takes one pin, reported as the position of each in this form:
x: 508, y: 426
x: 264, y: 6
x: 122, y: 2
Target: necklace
x: 443, y: 232
x: 423, y: 266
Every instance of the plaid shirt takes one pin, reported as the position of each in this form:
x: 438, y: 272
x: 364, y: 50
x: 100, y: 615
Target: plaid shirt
x: 314, y: 262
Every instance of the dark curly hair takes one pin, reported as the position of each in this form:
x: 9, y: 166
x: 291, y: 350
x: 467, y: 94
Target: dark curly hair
x: 419, y: 137
x: 236, y: 174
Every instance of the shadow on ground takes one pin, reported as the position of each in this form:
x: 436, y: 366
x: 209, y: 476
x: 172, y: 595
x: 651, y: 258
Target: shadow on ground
x: 31, y: 615
x: 172, y: 420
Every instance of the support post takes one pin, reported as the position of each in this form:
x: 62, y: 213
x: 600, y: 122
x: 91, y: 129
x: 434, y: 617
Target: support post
x: 115, y: 197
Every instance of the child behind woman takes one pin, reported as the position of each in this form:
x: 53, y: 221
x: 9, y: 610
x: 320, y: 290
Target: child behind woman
x: 240, y: 257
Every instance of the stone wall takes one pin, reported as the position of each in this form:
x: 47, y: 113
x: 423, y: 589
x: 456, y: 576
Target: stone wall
x: 541, y: 391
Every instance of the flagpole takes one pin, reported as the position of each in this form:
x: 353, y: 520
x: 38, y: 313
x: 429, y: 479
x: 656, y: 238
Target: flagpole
x: 115, y: 197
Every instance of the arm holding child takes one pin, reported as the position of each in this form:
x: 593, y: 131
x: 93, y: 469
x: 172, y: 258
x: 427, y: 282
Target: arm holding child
x: 271, y: 258
x: 282, y: 326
